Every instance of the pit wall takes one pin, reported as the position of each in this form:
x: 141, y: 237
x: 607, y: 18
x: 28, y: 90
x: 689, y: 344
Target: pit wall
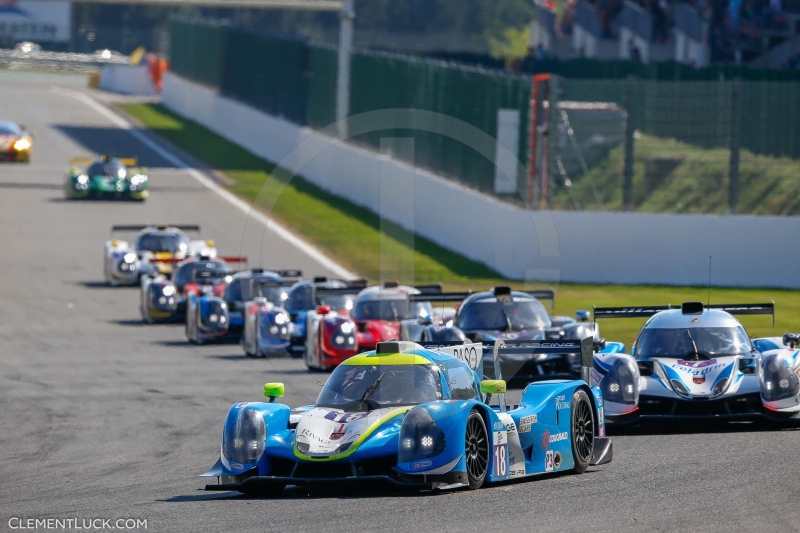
x: 585, y: 247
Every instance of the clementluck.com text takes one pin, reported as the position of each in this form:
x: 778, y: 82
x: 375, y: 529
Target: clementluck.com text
x: 17, y: 523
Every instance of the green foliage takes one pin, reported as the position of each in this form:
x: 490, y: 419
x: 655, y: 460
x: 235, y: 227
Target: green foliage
x: 512, y: 46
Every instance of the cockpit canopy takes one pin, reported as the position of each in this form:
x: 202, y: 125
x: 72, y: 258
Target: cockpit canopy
x: 677, y: 342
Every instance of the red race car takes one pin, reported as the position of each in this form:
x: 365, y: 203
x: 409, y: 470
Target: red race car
x: 330, y: 339
x: 389, y: 312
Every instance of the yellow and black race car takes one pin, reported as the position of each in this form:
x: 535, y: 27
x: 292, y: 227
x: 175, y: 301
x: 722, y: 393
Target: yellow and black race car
x: 16, y: 143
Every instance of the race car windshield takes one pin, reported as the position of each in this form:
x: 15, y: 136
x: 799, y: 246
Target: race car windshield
x: 337, y: 301
x: 109, y: 169
x: 191, y: 272
x: 163, y: 242
x: 677, y: 344
x: 400, y: 385
x: 503, y: 316
x: 9, y: 128
x: 244, y: 290
x: 395, y: 309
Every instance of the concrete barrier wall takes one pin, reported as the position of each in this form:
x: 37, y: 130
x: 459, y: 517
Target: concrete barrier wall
x: 548, y: 246
x: 127, y: 79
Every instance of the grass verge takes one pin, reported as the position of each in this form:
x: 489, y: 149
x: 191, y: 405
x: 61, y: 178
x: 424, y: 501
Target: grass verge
x: 359, y: 240
x: 698, y: 184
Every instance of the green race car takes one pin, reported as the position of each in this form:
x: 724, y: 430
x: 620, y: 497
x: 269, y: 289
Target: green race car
x: 106, y: 178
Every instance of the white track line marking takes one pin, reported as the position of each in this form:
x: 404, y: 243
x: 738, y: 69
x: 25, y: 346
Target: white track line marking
x: 234, y: 200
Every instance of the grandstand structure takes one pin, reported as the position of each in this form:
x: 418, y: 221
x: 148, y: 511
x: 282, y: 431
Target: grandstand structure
x: 696, y: 33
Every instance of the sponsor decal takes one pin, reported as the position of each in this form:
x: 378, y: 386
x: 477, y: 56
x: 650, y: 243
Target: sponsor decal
x: 548, y: 439
x: 500, y: 457
x: 561, y: 402
x: 338, y: 434
x: 695, y: 364
x: 600, y: 416
x: 499, y: 426
x: 694, y: 320
x: 242, y: 404
x: 422, y: 464
x: 548, y: 461
x: 236, y: 466
x: 526, y: 422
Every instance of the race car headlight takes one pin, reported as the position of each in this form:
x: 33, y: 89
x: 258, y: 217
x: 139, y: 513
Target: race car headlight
x: 420, y: 437
x: 720, y: 387
x: 302, y: 445
x: 22, y: 144
x: 168, y: 290
x: 280, y: 318
x: 83, y: 179
x: 679, y: 387
x: 213, y: 318
x: 620, y: 385
x: 244, y: 442
x: 779, y: 382
x: 343, y: 336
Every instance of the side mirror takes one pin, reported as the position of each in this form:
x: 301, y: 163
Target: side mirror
x: 599, y: 344
x: 323, y: 309
x: 493, y: 386
x: 791, y: 339
x: 583, y: 315
x: 273, y: 390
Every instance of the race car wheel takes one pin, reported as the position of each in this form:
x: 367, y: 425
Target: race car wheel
x: 476, y: 450
x: 582, y: 430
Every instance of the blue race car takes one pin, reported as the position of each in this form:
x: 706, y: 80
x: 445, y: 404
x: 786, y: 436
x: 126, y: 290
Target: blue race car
x: 219, y: 318
x: 305, y: 296
x: 408, y: 414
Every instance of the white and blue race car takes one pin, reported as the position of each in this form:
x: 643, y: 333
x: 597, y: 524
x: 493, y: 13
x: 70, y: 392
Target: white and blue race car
x: 414, y: 415
x: 698, y: 362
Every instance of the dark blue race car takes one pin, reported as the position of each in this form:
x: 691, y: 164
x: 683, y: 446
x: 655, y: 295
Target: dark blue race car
x: 212, y: 317
x: 509, y: 315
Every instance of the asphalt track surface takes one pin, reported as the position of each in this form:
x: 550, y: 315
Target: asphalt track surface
x: 103, y: 417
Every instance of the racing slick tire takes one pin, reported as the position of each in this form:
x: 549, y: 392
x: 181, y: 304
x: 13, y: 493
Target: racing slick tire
x: 582, y: 430
x: 476, y: 450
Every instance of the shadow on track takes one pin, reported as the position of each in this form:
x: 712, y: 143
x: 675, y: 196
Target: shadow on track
x: 690, y: 427
x: 30, y: 185
x: 138, y: 323
x: 114, y: 142
x: 103, y: 285
x: 305, y: 493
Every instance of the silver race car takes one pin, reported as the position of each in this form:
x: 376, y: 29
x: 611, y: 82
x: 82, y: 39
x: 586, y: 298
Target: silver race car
x: 153, y: 252
x: 697, y: 362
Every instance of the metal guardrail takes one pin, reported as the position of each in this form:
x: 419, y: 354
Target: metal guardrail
x: 60, y: 61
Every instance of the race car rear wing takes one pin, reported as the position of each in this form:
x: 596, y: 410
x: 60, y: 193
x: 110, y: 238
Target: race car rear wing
x: 468, y: 352
x: 583, y: 347
x: 687, y: 308
x: 208, y: 277
x: 227, y: 259
x: 290, y: 275
x: 139, y: 227
x: 501, y: 293
x: 127, y: 161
